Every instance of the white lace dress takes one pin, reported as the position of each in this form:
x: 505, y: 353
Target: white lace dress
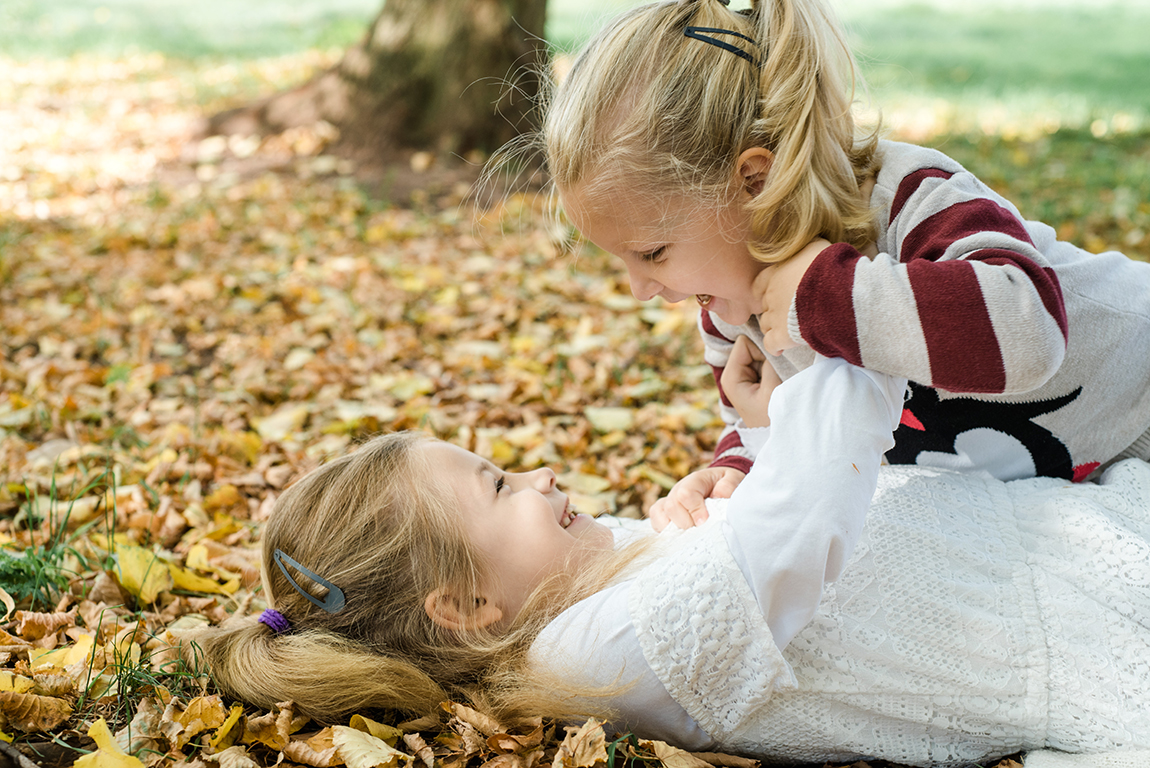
x: 967, y: 619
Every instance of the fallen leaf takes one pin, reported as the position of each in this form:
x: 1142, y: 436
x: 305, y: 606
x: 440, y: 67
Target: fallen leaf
x: 234, y: 757
x: 142, y: 573
x: 108, y: 753
x: 673, y: 757
x: 31, y: 713
x: 362, y: 750
x: 583, y: 747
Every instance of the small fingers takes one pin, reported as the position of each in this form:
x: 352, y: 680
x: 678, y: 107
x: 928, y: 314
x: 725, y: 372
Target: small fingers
x: 727, y: 483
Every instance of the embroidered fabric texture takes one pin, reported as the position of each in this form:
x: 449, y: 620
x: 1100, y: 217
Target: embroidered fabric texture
x: 702, y: 633
x: 974, y: 619
x: 1047, y: 758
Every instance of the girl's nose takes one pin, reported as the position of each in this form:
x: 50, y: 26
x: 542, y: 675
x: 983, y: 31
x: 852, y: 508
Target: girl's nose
x: 642, y: 287
x: 543, y: 479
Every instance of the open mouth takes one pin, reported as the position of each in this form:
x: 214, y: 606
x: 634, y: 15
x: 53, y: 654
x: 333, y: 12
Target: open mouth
x: 568, y: 516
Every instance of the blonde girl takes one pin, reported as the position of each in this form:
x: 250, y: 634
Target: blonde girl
x: 952, y: 619
x: 714, y: 152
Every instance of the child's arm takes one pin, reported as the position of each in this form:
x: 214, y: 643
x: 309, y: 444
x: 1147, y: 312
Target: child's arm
x: 796, y: 517
x: 966, y: 302
x: 748, y: 381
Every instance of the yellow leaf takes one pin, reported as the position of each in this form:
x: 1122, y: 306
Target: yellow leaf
x: 10, y: 681
x: 62, y: 657
x: 9, y: 603
x: 201, y: 714
x: 388, y: 733
x: 610, y: 419
x: 227, y: 733
x: 362, y: 750
x: 182, y: 578
x: 286, y: 421
x: 224, y: 497
x: 198, y: 558
x: 661, y: 479
x: 142, y: 573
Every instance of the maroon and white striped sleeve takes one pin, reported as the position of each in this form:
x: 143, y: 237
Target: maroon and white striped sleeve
x: 966, y: 304
x: 730, y: 451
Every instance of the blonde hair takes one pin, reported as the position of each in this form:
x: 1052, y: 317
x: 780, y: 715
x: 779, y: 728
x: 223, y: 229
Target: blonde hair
x: 648, y: 111
x: 377, y: 525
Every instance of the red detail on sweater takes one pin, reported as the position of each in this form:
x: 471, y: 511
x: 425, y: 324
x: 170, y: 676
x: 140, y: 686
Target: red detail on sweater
x: 709, y: 327
x: 734, y: 462
x: 717, y: 372
x: 729, y: 442
x: 934, y: 234
x: 960, y: 339
x: 910, y: 184
x: 1082, y: 471
x: 910, y: 420
x: 825, y: 304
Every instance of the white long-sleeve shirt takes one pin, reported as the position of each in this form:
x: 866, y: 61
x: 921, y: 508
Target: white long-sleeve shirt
x: 954, y: 619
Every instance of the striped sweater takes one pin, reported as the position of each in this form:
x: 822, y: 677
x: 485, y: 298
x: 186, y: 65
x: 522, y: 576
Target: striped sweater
x: 1026, y: 355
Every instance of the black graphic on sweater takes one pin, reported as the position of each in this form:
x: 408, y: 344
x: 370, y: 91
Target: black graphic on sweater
x: 940, y: 432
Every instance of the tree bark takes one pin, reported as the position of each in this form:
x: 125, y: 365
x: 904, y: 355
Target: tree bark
x: 436, y: 75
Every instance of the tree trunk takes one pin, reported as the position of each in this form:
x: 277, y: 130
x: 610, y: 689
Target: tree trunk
x: 436, y: 75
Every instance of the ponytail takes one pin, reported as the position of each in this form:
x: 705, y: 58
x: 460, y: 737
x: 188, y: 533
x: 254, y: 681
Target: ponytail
x: 806, y: 89
x: 326, y: 675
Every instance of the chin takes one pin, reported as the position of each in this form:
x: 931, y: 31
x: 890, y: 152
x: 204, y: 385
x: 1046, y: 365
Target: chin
x: 731, y: 317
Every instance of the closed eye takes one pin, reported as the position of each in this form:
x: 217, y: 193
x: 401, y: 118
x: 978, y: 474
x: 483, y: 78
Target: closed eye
x: 655, y: 256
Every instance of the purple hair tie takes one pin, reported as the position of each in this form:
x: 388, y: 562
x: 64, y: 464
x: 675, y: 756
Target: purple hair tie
x: 275, y: 621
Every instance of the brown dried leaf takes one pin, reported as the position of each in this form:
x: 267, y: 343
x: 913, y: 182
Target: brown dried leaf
x: 234, y: 757
x: 144, y: 736
x: 673, y: 757
x: 317, y: 750
x: 275, y: 728
x: 420, y: 749
x: 720, y: 760
x: 583, y: 747
x: 513, y: 743
x: 31, y: 713
x: 481, y: 722
x: 34, y: 626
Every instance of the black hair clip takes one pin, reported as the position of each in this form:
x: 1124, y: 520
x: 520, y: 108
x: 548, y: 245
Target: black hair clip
x: 333, y: 602
x: 697, y: 33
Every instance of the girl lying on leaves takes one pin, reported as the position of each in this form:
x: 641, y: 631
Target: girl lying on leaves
x: 941, y: 619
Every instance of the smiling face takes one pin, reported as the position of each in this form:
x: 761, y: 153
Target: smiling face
x: 676, y: 248
x: 518, y: 522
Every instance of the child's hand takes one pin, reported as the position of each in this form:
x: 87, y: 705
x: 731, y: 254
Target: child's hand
x: 748, y: 381
x: 684, y: 505
x: 775, y: 288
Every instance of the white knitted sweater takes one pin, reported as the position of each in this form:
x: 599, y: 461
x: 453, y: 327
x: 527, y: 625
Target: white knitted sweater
x: 968, y: 619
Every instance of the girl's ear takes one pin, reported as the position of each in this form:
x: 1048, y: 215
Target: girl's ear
x: 753, y: 166
x: 454, y: 613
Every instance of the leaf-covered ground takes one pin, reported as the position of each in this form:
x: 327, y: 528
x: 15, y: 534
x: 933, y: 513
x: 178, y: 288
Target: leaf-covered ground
x: 186, y: 326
